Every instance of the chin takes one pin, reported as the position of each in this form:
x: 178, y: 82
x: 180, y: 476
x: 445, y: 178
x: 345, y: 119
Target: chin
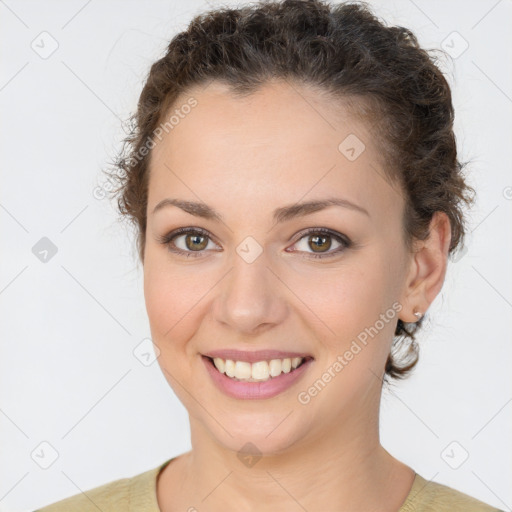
x: 259, y: 432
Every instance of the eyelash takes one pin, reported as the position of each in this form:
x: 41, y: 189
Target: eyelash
x: 342, y: 239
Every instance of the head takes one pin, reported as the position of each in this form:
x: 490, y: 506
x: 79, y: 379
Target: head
x: 251, y: 113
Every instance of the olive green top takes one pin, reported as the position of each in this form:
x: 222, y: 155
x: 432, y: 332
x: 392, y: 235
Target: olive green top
x: 138, y: 494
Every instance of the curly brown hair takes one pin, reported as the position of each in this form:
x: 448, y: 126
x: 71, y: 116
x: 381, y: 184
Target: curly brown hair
x: 345, y: 52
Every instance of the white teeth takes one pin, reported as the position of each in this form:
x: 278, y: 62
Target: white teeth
x: 219, y: 364
x: 296, y: 361
x: 256, y: 372
x: 275, y: 367
x: 230, y: 368
x: 260, y: 370
x: 242, y: 370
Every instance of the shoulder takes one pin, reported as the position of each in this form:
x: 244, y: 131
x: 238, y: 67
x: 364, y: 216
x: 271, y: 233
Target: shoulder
x: 108, y: 497
x: 124, y: 495
x: 429, y: 496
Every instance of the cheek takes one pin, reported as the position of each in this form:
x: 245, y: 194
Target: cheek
x: 350, y: 301
x: 345, y: 298
x: 170, y: 296
x: 159, y: 298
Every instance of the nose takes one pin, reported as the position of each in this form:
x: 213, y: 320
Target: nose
x: 251, y: 298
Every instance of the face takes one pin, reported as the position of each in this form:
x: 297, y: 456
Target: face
x: 268, y: 278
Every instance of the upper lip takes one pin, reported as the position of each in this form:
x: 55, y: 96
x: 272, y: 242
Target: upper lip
x: 253, y: 356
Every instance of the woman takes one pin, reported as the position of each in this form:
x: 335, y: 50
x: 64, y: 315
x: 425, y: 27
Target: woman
x: 293, y: 175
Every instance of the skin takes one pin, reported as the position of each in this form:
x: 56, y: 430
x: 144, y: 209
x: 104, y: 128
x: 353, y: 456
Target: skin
x: 245, y: 158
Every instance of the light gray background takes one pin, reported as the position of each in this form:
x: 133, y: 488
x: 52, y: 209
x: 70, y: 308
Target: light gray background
x: 69, y: 328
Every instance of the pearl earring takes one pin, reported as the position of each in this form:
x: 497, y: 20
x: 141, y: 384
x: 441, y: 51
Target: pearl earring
x: 418, y: 314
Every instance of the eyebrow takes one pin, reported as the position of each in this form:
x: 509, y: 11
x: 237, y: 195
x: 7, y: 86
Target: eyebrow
x: 280, y: 215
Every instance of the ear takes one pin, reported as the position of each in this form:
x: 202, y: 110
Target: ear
x: 427, y: 269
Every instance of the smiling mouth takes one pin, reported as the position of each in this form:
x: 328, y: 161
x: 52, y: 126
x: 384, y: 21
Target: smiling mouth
x: 259, y: 371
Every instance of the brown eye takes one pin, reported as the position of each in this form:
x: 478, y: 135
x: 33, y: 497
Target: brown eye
x: 188, y: 242
x: 196, y: 242
x: 320, y: 243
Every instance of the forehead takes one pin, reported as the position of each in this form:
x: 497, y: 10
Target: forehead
x: 279, y: 118
x: 275, y: 145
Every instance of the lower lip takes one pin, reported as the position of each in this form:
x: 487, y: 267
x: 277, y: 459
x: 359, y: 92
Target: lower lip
x: 255, y: 390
